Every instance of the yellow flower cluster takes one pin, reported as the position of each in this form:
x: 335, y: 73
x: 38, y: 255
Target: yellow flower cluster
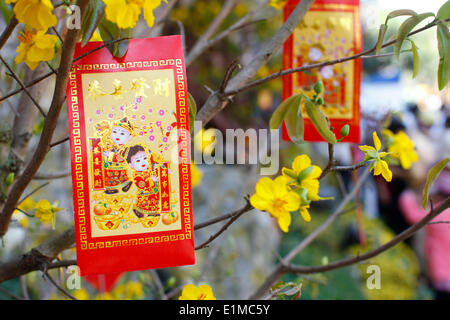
x: 192, y: 292
x: 35, y: 45
x: 372, y: 154
x: 293, y: 190
x: 45, y: 211
x: 399, y: 146
x: 125, y: 13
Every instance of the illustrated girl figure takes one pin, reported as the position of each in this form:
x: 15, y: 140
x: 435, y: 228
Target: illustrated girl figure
x: 146, y: 179
x: 114, y: 150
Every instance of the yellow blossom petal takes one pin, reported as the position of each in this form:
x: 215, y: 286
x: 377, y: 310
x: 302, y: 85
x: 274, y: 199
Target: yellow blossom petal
x: 284, y: 221
x: 192, y: 292
x: 382, y: 168
x: 376, y: 141
x: 305, y: 213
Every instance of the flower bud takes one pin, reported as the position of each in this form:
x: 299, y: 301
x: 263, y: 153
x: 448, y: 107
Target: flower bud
x: 318, y: 87
x: 345, y: 130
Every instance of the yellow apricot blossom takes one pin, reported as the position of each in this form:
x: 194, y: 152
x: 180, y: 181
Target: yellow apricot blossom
x: 401, y: 147
x: 34, y: 47
x: 274, y: 197
x: 378, y: 165
x: 35, y: 13
x: 45, y: 211
x: 192, y: 292
x: 125, y: 13
x: 278, y: 4
x: 307, y: 174
x: 196, y: 175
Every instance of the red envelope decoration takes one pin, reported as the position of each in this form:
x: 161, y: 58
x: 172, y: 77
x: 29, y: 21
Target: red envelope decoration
x: 129, y: 138
x: 330, y: 30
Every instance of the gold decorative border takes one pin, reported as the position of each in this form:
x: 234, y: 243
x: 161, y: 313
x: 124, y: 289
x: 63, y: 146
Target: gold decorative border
x: 77, y: 174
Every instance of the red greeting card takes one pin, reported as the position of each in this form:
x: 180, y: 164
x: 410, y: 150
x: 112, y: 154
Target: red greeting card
x: 330, y: 30
x: 129, y: 137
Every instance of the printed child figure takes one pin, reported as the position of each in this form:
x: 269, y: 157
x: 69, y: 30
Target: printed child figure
x: 146, y: 179
x: 114, y: 150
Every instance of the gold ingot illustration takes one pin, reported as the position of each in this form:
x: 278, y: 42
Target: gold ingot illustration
x: 108, y: 222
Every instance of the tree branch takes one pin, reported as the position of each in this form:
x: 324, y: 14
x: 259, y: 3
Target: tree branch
x: 215, y: 102
x: 289, y: 268
x: 279, y: 269
x: 43, y: 146
x: 281, y: 73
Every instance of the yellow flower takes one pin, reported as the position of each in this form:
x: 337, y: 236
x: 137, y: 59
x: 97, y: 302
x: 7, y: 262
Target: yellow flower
x: 35, y: 47
x: 307, y: 175
x: 196, y: 175
x: 105, y: 296
x: 274, y: 197
x: 401, y: 147
x: 35, y: 13
x: 134, y: 290
x: 81, y: 294
x: 192, y: 292
x: 277, y: 4
x: 204, y: 139
x: 45, y: 211
x: 149, y: 6
x: 125, y: 13
x: 379, y: 166
x: 95, y: 36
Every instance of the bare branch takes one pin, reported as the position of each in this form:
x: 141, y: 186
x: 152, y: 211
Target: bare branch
x: 202, y: 42
x: 247, y: 207
x: 279, y: 269
x: 43, y: 146
x: 281, y: 73
x: 215, y: 103
x: 22, y: 85
x: 372, y: 253
x: 8, y: 31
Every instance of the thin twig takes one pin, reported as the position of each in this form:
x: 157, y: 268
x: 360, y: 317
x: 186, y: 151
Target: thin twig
x: 51, y: 176
x: 14, y: 75
x: 247, y: 207
x: 33, y: 192
x: 58, y: 286
x: 54, y: 144
x: 8, y: 31
x: 321, y: 64
x: 45, y: 76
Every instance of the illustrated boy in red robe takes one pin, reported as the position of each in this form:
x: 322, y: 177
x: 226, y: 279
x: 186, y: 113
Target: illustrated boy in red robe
x: 146, y: 179
x: 114, y: 150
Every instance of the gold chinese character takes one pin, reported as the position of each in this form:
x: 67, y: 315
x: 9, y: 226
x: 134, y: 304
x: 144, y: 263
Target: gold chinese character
x: 161, y: 87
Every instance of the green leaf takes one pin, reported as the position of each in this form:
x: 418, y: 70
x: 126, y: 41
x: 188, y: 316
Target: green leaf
x: 443, y: 37
x: 9, y: 179
x: 294, y: 121
x: 384, y: 27
x: 406, y: 27
x: 280, y: 112
x: 432, y: 176
x: 192, y: 111
x: 320, y: 122
x: 416, y: 59
x: 381, y: 34
x: 109, y: 32
x: 400, y: 12
x: 444, y: 11
x: 94, y: 14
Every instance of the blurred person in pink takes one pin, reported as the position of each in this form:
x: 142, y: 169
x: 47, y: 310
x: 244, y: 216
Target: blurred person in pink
x: 437, y: 238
